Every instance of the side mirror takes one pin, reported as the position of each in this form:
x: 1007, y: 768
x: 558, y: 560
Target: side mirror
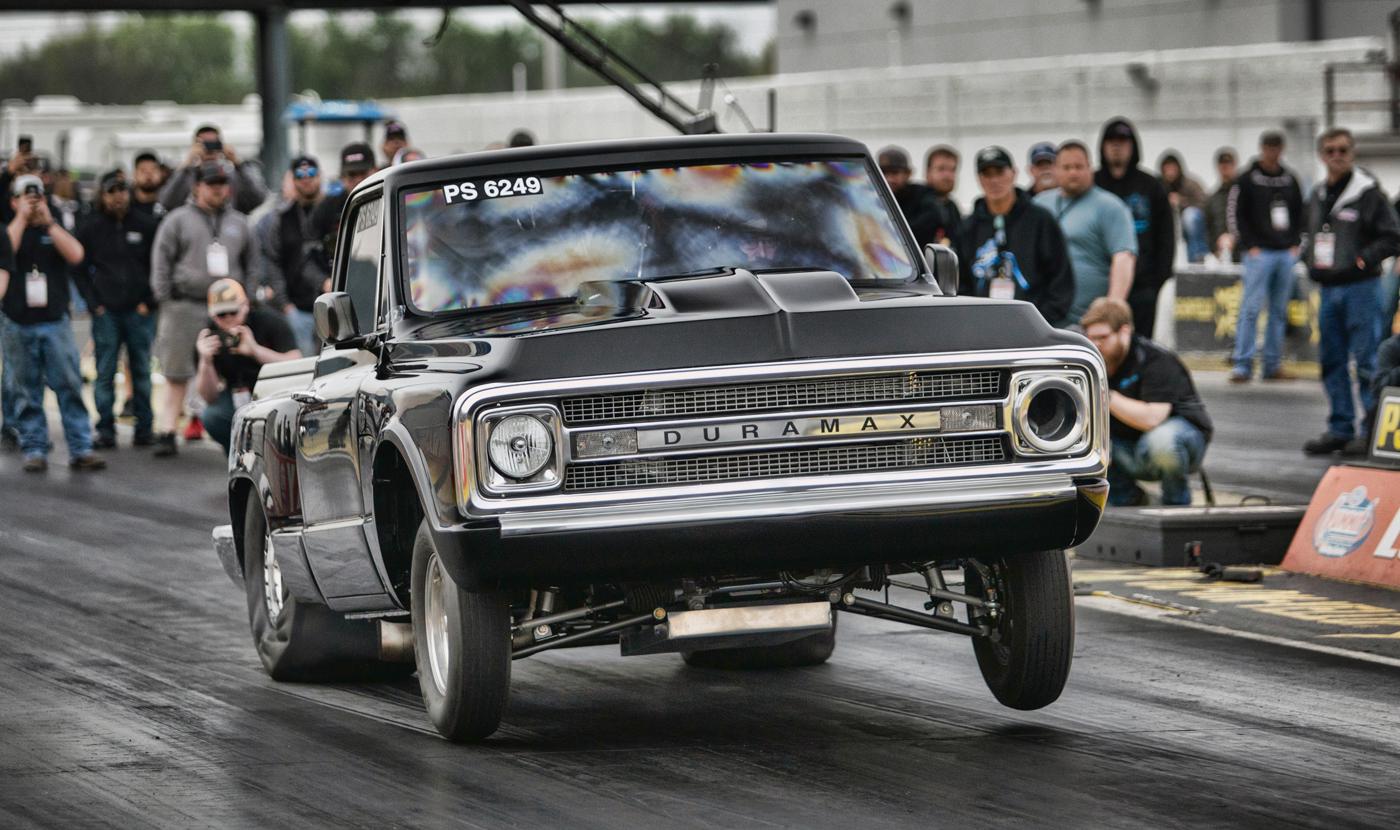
x: 944, y: 265
x: 335, y: 317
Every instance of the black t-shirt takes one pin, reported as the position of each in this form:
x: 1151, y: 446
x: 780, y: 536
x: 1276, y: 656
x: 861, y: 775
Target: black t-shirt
x: 7, y: 256
x: 1151, y: 373
x: 37, y: 252
x: 270, y: 330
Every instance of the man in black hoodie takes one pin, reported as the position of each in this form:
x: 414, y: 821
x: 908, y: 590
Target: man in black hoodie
x: 1351, y: 229
x: 1120, y: 153
x: 115, y: 280
x: 1010, y: 247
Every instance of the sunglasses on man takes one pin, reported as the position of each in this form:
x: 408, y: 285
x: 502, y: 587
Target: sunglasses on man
x: 305, y: 173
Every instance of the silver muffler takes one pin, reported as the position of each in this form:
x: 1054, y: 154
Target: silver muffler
x: 734, y: 627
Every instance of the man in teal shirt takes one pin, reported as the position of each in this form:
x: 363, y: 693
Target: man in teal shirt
x: 1098, y: 227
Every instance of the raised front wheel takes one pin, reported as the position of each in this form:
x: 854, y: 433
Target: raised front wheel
x: 1026, y: 660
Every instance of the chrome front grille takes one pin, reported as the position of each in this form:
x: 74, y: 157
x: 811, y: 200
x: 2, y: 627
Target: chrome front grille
x: 812, y: 393
x: 919, y: 453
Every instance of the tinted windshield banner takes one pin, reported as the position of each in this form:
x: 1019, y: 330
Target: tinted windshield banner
x: 477, y: 242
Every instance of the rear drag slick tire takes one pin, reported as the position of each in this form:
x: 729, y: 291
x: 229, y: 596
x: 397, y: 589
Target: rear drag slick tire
x: 299, y: 640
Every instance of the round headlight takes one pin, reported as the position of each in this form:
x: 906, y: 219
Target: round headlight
x: 1051, y: 415
x: 520, y: 446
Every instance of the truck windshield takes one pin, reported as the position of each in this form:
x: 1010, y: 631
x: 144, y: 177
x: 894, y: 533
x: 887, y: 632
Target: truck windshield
x: 491, y: 241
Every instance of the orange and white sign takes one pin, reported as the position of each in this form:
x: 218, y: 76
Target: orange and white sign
x: 1352, y: 528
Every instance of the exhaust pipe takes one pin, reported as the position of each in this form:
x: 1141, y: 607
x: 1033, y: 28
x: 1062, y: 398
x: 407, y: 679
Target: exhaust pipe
x: 395, y: 642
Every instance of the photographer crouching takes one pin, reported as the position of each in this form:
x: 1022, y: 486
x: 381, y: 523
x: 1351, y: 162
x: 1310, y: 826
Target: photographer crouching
x: 232, y: 350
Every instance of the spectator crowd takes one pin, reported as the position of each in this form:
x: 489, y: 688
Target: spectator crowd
x: 1092, y: 248
x: 195, y: 269
x: 198, y: 270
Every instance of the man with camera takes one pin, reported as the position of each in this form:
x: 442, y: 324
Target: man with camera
x: 116, y: 282
x: 246, y: 188
x: 36, y: 302
x: 294, y: 257
x: 232, y: 350
x: 198, y: 243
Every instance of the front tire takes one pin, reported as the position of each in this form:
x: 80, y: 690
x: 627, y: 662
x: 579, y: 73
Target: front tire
x: 808, y: 651
x: 298, y: 640
x: 1027, y: 663
x: 462, y: 645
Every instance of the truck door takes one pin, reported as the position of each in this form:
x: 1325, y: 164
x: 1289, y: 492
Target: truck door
x: 328, y: 445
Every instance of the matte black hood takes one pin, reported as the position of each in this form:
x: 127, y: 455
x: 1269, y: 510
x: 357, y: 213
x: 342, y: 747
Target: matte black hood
x: 730, y: 318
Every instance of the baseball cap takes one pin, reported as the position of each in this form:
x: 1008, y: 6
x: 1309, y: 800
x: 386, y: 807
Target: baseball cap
x: 1225, y: 153
x: 894, y: 158
x: 23, y: 183
x: 305, y: 166
x: 113, y: 176
x: 356, y: 157
x: 1119, y: 129
x: 993, y: 156
x: 145, y: 155
x: 1271, y: 138
x: 226, y: 295
x: 214, y: 171
x: 1042, y: 151
x: 395, y: 129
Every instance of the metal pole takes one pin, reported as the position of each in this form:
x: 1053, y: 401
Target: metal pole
x: 274, y: 87
x: 1329, y: 93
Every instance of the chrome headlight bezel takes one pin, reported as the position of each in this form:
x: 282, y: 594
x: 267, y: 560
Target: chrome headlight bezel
x: 1025, y: 386
x: 548, y: 477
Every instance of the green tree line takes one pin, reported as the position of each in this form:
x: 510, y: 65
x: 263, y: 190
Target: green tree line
x: 194, y: 59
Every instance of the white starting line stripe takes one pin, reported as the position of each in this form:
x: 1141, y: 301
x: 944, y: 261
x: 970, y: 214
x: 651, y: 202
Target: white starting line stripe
x: 1121, y: 605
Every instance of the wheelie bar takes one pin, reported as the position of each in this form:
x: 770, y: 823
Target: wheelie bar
x: 859, y: 605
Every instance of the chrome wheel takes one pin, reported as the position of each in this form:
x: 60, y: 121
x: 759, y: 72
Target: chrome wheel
x: 274, y: 595
x: 435, y: 622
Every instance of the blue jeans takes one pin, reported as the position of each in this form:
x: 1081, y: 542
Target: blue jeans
x: 1193, y: 230
x: 1349, y: 330
x: 218, y: 418
x: 303, y: 325
x: 1390, y: 298
x: 1268, y: 284
x: 110, y: 331
x: 51, y: 359
x: 11, y: 389
x: 1170, y: 453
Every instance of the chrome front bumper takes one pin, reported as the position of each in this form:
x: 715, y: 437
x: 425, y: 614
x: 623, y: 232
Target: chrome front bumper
x: 867, y: 498
x: 754, y: 533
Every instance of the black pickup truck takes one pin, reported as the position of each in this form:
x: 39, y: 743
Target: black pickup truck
x: 689, y: 395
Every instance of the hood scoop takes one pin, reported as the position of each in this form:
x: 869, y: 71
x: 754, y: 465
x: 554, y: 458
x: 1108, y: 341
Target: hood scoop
x: 743, y: 292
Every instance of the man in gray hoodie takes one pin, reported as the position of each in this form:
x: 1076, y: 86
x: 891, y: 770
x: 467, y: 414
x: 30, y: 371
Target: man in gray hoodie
x: 199, y: 242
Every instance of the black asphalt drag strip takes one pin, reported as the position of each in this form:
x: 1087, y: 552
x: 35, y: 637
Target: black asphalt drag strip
x: 130, y: 696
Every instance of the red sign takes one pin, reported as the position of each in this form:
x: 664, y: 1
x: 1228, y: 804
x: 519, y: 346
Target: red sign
x: 1352, y: 528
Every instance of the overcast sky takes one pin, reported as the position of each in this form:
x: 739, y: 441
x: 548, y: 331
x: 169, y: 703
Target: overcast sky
x: 753, y: 22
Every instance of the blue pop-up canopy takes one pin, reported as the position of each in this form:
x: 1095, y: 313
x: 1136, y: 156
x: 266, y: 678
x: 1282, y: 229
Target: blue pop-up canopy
x: 335, y: 111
